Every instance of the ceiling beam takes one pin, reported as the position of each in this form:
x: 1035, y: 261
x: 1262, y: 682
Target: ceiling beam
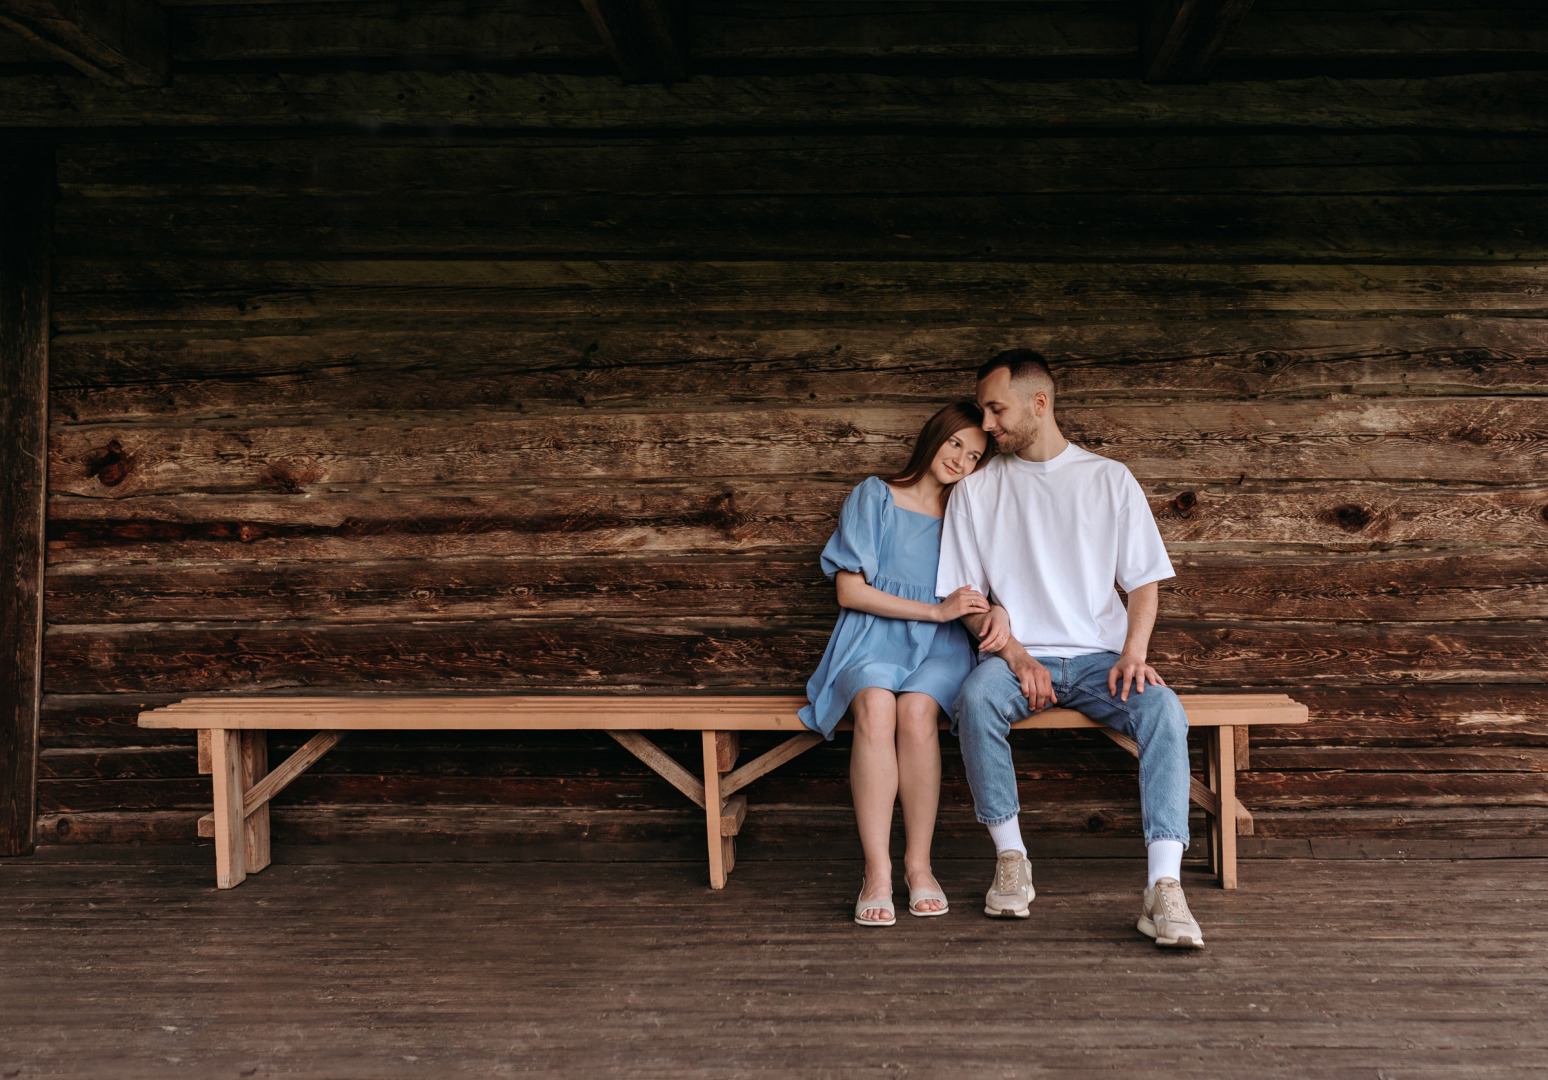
x: 1183, y: 38
x: 645, y: 37
x: 123, y: 42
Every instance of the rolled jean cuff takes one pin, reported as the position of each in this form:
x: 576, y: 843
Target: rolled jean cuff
x: 1183, y: 840
x: 997, y: 821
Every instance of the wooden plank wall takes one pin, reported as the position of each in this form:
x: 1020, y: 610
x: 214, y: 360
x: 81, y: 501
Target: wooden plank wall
x: 480, y: 370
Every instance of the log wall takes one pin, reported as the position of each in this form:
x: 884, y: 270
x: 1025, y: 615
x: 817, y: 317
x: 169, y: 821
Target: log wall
x: 486, y: 372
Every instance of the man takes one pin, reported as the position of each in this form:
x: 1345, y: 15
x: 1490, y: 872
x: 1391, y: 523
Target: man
x: 1044, y: 530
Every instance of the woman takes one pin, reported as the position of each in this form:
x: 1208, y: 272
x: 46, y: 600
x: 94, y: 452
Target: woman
x: 897, y: 657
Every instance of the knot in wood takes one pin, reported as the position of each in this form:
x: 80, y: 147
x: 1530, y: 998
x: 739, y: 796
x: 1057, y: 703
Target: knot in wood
x: 109, y: 464
x: 720, y: 512
x: 1185, y: 502
x: 1352, y: 517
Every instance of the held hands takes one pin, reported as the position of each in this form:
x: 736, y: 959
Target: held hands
x: 994, y: 631
x: 1036, y: 681
x: 1131, y: 670
x: 964, y: 601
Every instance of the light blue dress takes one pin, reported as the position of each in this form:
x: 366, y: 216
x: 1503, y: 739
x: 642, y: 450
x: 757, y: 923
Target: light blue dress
x: 897, y: 551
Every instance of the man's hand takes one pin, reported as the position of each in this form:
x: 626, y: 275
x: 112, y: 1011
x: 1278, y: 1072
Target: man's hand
x: 1131, y: 670
x: 1036, y: 681
x: 994, y: 630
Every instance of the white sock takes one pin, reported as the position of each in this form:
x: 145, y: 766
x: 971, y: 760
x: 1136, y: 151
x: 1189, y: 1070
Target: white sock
x: 1007, y: 835
x: 1165, y: 861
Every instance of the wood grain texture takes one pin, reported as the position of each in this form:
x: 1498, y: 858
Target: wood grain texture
x: 1376, y: 588
x: 1260, y: 789
x: 1466, y: 1003
x: 571, y: 518
x: 119, y: 379
x: 778, y: 653
x: 1418, y: 715
x: 419, y: 591
x: 1510, y: 102
x: 26, y: 196
x: 775, y: 655
x: 567, y: 520
x: 589, y: 835
x: 1355, y: 517
x: 513, y: 756
x: 152, y: 297
x: 1380, y: 588
x: 1472, y: 439
x: 1290, y: 653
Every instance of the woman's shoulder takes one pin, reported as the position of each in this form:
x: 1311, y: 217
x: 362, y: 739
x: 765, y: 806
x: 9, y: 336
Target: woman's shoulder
x: 872, y: 489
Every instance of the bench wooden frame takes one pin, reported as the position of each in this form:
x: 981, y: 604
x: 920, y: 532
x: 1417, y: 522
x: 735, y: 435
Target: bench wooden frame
x: 234, y: 750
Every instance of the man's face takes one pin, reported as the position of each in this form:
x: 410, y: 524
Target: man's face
x: 1009, y: 419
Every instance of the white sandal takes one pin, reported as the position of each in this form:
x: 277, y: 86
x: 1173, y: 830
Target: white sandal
x: 885, y: 904
x: 917, y: 896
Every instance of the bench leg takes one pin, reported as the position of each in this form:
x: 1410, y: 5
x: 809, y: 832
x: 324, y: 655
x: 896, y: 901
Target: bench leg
x: 1212, y: 780
x: 719, y: 862
x: 227, y: 770
x: 1225, y: 739
x: 255, y: 829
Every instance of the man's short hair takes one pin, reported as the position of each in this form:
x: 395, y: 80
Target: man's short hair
x: 1020, y: 363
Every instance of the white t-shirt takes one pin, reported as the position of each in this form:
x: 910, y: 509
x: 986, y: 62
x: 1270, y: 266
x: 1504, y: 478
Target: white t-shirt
x: 1046, y: 540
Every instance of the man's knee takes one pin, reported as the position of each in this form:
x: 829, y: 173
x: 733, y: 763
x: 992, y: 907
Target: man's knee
x: 1159, y: 714
x: 986, y: 693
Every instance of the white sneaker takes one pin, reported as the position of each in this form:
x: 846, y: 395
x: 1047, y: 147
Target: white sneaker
x: 1011, y: 891
x: 1164, y: 915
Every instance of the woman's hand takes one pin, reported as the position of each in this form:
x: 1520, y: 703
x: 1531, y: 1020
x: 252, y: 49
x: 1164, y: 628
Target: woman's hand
x: 964, y: 601
x: 995, y: 630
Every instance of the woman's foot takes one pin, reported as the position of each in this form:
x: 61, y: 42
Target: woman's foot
x: 923, y: 881
x: 880, y: 913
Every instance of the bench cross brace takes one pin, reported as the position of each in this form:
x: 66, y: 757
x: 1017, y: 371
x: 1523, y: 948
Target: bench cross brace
x: 238, y: 761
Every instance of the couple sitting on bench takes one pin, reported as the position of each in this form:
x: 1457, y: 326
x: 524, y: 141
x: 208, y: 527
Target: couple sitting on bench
x: 1025, y: 552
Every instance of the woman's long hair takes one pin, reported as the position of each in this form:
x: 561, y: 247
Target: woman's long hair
x: 940, y: 427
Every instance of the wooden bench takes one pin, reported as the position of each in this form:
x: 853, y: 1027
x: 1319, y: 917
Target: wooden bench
x: 234, y: 749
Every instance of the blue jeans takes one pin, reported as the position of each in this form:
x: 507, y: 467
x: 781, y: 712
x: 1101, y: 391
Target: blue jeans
x: 991, y: 700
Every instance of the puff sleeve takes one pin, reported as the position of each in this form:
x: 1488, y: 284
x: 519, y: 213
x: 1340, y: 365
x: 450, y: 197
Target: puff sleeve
x: 856, y: 544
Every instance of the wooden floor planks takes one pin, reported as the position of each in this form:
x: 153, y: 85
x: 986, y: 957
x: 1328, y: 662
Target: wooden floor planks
x: 1423, y: 969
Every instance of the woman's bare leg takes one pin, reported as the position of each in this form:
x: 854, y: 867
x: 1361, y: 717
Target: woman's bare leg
x: 873, y: 778
x: 919, y: 787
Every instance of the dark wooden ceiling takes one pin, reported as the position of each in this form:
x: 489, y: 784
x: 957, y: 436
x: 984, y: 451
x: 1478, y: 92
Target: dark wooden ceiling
x: 1007, y: 38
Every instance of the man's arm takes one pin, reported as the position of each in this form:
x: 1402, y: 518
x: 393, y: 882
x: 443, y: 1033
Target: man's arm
x: 993, y: 629
x: 1131, y: 668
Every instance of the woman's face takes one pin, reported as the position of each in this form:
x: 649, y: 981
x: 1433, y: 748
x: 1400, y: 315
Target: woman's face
x: 959, y: 455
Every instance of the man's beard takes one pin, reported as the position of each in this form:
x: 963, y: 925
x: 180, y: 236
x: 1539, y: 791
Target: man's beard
x: 1014, y: 440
